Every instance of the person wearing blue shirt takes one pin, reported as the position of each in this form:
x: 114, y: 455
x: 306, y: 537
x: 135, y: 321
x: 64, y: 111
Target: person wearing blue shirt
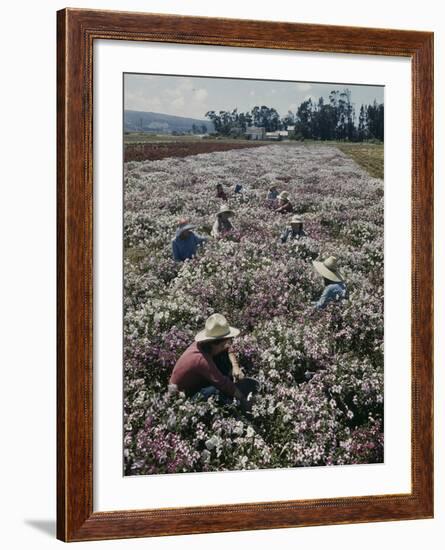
x: 241, y: 192
x: 335, y: 287
x: 185, y: 243
x: 294, y: 232
x: 272, y: 195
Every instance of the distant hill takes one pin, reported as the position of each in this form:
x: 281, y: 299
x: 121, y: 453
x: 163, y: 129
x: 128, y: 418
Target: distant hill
x: 140, y: 121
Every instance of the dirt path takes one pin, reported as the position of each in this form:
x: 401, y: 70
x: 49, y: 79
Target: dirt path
x: 158, y: 151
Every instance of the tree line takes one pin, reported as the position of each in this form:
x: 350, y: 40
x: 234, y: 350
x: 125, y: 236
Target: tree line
x: 334, y: 119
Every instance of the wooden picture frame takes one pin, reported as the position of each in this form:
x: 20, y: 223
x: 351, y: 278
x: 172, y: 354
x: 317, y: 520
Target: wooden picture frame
x: 77, y: 31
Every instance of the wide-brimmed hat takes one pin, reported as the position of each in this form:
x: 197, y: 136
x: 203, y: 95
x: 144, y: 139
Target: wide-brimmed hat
x: 225, y: 210
x: 296, y: 219
x: 184, y: 227
x: 216, y: 328
x: 283, y: 195
x: 329, y: 269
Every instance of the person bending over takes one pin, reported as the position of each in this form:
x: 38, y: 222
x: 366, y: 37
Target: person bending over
x: 334, y: 284
x: 223, y: 225
x: 208, y: 368
x: 284, y: 206
x: 294, y: 231
x: 186, y: 242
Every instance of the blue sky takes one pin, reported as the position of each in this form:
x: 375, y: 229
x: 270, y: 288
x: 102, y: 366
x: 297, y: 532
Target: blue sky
x: 194, y: 96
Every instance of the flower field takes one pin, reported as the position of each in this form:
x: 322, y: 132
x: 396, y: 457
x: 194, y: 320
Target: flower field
x: 321, y: 371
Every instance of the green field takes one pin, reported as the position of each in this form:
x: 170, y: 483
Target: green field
x: 368, y: 155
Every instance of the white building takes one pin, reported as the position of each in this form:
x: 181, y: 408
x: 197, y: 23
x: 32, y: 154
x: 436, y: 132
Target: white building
x: 255, y: 132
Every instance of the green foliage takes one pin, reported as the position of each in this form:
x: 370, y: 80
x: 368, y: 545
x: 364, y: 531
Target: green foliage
x: 317, y: 120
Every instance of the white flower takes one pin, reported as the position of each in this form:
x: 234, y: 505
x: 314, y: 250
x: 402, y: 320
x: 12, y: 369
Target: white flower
x: 212, y: 443
x: 238, y: 429
x: 205, y: 455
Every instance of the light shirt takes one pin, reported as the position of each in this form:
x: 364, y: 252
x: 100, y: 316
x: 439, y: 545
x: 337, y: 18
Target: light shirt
x: 334, y: 291
x: 289, y: 235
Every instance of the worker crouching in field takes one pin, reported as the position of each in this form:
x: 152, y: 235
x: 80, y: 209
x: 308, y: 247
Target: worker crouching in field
x: 272, y: 194
x: 223, y: 225
x: 185, y: 243
x: 220, y: 193
x: 335, y: 286
x: 240, y: 192
x: 284, y: 205
x: 272, y: 197
x: 294, y: 231
x: 207, y: 367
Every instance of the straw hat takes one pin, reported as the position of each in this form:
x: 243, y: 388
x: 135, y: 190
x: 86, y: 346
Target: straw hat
x: 329, y: 269
x: 216, y: 327
x: 296, y: 219
x: 225, y: 210
x: 283, y: 195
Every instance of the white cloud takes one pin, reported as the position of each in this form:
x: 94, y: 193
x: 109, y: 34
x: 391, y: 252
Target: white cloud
x: 186, y: 100
x: 155, y: 103
x: 186, y: 85
x: 304, y: 87
x: 182, y: 90
x: 141, y: 102
x: 201, y: 94
x: 178, y: 103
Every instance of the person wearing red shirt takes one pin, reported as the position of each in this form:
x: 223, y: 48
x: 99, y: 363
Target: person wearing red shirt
x: 196, y: 371
x: 284, y: 205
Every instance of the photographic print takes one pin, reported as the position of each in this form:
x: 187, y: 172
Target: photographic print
x: 253, y: 274
x: 220, y: 280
